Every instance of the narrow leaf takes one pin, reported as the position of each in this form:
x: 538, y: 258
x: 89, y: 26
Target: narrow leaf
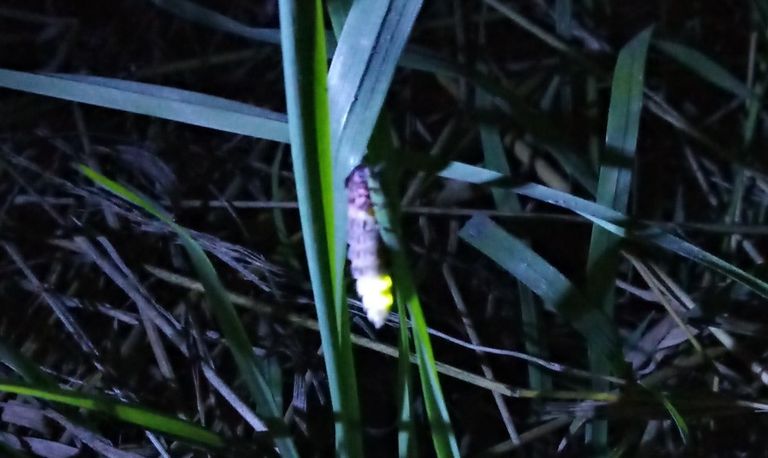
x: 556, y: 291
x: 304, y: 69
x: 705, y: 67
x: 153, y: 100
x: 220, y: 305
x: 129, y: 413
x: 624, y: 227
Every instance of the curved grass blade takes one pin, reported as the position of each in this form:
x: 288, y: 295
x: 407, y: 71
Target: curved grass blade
x: 705, y: 67
x: 209, y: 18
x: 623, y: 226
x: 220, y: 306
x: 613, y: 188
x: 555, y: 290
x: 23, y: 365
x: 153, y: 100
x: 130, y: 413
x: 304, y: 69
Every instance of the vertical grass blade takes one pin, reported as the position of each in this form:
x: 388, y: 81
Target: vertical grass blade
x: 506, y: 200
x: 369, y: 47
x: 613, y: 189
x: 387, y: 205
x: 366, y: 56
x: 304, y: 68
x: 372, y: 39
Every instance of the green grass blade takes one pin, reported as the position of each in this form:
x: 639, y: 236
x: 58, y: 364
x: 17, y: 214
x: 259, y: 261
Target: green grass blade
x: 367, y: 54
x: 705, y: 67
x: 619, y: 224
x: 471, y: 173
x: 221, y: 307
x: 304, y: 68
x: 129, y: 413
x: 613, y: 189
x: 369, y: 48
x: 406, y: 434
x: 387, y: 215
x: 507, y: 200
x: 153, y: 100
x: 443, y: 437
x: 555, y: 290
x: 387, y: 205
x: 209, y: 18
x: 23, y: 365
x: 365, y: 59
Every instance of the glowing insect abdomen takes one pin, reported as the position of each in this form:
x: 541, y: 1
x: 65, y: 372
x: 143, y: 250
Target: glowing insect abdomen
x: 372, y: 281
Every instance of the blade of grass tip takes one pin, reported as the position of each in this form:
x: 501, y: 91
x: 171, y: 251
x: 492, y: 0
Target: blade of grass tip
x: 613, y: 189
x: 677, y: 417
x: 556, y: 292
x: 23, y: 365
x: 705, y: 67
x: 506, y: 200
x: 370, y: 45
x: 406, y: 435
x: 624, y: 227
x: 153, y: 100
x: 130, y: 413
x: 338, y: 11
x: 304, y: 69
x: 387, y: 207
x: 221, y: 307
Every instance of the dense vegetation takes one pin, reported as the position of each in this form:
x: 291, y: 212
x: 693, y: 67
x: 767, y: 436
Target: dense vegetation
x: 571, y: 199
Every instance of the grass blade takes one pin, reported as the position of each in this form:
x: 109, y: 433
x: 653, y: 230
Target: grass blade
x: 209, y: 18
x: 153, y: 100
x: 221, y: 307
x: 613, y: 189
x: 369, y: 48
x: 555, y: 290
x: 23, y: 365
x: 365, y: 59
x: 304, y: 68
x: 387, y: 206
x: 129, y: 413
x: 443, y: 437
x: 622, y: 226
x: 705, y: 67
x: 506, y: 200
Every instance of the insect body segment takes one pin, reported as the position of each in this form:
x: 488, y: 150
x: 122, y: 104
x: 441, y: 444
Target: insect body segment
x: 372, y: 281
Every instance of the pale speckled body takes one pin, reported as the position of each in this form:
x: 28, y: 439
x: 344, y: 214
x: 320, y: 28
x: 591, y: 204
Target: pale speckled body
x: 372, y: 280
